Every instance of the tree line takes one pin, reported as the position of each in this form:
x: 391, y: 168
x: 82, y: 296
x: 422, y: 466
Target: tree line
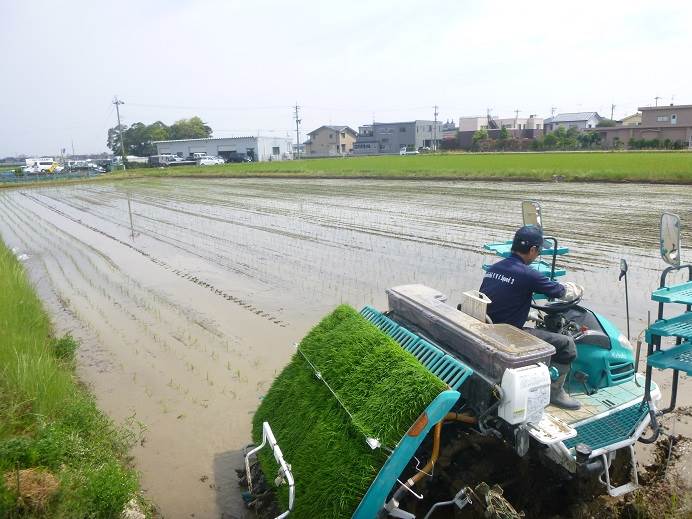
x: 560, y: 139
x: 138, y: 137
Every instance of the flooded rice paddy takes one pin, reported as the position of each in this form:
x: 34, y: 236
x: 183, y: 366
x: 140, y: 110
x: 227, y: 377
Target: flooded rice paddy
x: 188, y: 294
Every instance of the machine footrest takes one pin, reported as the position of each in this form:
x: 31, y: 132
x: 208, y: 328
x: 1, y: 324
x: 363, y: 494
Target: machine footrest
x: 678, y: 357
x: 626, y: 487
x: 611, y: 429
x: 681, y: 293
x: 678, y: 326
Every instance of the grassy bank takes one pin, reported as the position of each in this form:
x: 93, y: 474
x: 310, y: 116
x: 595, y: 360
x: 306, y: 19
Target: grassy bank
x: 59, y: 455
x: 596, y: 166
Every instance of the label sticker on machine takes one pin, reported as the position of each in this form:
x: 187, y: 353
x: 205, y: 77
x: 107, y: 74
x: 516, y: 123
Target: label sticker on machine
x: 537, y: 398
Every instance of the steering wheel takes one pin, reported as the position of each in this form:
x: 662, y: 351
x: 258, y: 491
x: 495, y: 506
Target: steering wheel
x: 557, y: 306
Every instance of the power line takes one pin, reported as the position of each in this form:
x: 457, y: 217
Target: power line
x: 185, y: 107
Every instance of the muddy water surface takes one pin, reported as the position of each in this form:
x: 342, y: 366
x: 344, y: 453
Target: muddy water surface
x: 188, y: 294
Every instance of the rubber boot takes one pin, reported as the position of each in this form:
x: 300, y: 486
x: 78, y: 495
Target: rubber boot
x: 558, y: 395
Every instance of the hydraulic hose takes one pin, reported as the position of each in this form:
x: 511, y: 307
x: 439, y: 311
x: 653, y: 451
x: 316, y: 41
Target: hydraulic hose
x: 449, y: 417
x: 433, y: 457
x: 460, y: 417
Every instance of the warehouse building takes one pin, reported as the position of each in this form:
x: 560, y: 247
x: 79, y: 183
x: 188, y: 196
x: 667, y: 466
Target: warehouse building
x: 258, y: 149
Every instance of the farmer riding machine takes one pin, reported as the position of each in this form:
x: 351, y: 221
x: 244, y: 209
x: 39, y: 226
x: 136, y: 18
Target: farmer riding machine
x: 370, y: 408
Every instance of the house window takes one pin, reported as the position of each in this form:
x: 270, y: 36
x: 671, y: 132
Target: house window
x: 674, y: 119
x: 663, y: 118
x: 343, y: 135
x: 331, y: 135
x: 430, y: 127
x: 385, y: 139
x: 343, y: 148
x: 402, y: 129
x: 276, y: 150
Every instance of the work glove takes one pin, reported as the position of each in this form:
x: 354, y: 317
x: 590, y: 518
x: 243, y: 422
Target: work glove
x: 534, y: 316
x: 572, y: 292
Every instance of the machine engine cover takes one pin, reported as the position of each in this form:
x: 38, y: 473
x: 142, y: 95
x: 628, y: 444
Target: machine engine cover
x: 488, y: 348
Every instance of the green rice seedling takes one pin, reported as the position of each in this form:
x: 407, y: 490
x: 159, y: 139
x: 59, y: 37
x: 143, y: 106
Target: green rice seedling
x: 384, y: 389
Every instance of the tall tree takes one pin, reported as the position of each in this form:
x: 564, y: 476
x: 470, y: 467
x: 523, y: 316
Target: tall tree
x: 192, y: 128
x: 138, y: 137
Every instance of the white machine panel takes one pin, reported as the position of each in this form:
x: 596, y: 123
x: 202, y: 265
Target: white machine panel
x: 526, y: 393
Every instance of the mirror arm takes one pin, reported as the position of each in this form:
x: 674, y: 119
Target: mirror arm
x: 672, y: 268
x: 552, y: 268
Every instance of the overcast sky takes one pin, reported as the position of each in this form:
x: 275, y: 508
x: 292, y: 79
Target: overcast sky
x: 241, y: 66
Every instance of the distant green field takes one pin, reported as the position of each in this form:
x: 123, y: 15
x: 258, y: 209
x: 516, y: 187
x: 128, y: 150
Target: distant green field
x: 601, y: 166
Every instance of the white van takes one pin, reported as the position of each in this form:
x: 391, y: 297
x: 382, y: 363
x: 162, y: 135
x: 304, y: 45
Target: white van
x: 41, y: 165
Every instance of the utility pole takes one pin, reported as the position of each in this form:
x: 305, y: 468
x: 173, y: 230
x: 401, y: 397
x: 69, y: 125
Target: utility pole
x: 656, y: 99
x: 434, y: 146
x: 612, y: 109
x: 298, y: 121
x: 117, y: 102
x: 516, y: 118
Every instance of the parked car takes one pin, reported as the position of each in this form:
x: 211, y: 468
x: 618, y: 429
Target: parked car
x: 209, y: 160
x: 405, y: 151
x: 237, y: 157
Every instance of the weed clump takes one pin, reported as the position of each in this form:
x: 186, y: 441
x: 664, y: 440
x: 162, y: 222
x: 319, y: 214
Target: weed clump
x: 383, y: 390
x: 64, y: 348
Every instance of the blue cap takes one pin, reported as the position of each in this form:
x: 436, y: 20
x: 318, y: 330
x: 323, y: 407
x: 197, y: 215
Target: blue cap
x: 527, y: 237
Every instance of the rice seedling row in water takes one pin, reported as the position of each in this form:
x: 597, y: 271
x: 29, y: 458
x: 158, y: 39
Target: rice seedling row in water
x: 106, y: 295
x: 163, y: 264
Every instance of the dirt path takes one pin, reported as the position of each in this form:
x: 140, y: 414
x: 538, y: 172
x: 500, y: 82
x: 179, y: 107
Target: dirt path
x: 187, y: 311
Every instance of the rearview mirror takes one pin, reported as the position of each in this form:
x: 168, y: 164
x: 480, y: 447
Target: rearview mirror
x: 670, y: 239
x: 531, y: 212
x: 623, y: 268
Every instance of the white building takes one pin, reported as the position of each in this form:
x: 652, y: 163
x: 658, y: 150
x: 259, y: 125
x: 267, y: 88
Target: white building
x: 259, y: 148
x: 473, y: 124
x: 578, y: 120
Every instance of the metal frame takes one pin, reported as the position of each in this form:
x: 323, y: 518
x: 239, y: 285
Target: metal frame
x: 284, y: 468
x: 626, y: 487
x: 654, y: 345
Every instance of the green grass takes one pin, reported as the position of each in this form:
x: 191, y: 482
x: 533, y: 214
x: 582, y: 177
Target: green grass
x: 384, y: 388
x: 594, y: 166
x: 633, y: 166
x: 47, y: 420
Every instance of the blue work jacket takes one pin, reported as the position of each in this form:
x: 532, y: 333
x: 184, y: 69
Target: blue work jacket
x: 510, y: 284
